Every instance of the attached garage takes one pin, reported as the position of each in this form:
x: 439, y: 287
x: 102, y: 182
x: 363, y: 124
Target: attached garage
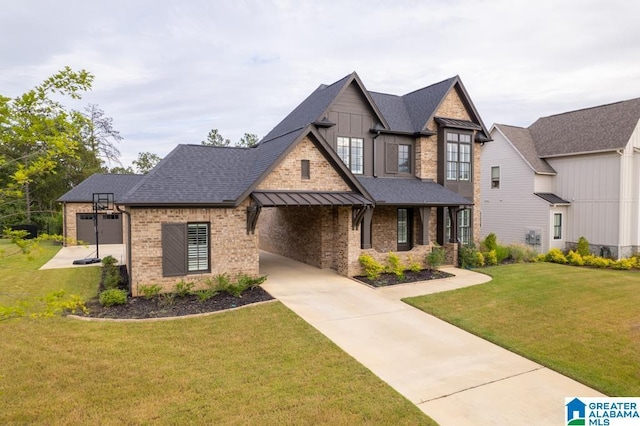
x: 109, y: 228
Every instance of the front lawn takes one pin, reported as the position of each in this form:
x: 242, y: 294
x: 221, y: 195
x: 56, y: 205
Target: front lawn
x: 581, y: 322
x: 258, y: 365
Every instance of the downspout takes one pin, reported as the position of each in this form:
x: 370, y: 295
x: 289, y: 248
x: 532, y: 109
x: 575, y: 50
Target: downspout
x: 375, y: 175
x: 129, y: 274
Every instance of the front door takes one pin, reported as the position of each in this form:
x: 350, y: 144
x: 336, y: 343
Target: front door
x: 404, y: 229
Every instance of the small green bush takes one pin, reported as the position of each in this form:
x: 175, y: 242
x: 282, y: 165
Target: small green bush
x: 556, y: 256
x: 467, y: 256
x: 221, y: 282
x: 502, y: 253
x: 395, y: 265
x: 436, y: 257
x: 596, y: 261
x: 574, y: 258
x: 149, y: 291
x: 490, y: 258
x: 205, y: 294
x: 583, y: 247
x: 540, y: 258
x: 491, y: 242
x: 414, y: 267
x: 372, y: 268
x: 112, y: 297
x: 111, y: 277
x: 479, y: 259
x: 183, y: 288
x: 109, y: 261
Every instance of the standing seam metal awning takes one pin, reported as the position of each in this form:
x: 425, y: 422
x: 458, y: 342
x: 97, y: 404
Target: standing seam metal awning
x: 301, y: 198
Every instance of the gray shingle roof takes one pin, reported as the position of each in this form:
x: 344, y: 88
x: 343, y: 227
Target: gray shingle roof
x: 119, y: 185
x: 602, y: 128
x: 195, y: 174
x: 551, y: 198
x: 523, y: 142
x: 422, y: 103
x: 411, y: 191
x: 394, y: 110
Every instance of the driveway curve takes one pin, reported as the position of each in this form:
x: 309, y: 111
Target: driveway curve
x: 453, y: 376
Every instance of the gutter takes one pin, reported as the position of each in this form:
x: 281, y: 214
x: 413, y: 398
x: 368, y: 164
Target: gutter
x: 375, y: 175
x: 129, y: 272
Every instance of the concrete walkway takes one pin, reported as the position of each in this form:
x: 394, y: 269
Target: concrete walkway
x: 65, y: 257
x: 453, y: 376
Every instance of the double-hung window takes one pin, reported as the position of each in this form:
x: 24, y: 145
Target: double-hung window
x: 495, y: 177
x: 464, y: 226
x: 185, y: 248
x: 351, y: 152
x: 557, y: 226
x: 458, y: 156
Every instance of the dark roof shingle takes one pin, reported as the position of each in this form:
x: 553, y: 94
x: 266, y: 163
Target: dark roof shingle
x: 523, y: 142
x: 119, y: 185
x: 411, y: 191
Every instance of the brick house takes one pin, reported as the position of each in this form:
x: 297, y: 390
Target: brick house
x: 347, y: 171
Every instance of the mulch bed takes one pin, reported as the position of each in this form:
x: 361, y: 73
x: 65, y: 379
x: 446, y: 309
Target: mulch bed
x: 162, y: 307
x: 388, y: 279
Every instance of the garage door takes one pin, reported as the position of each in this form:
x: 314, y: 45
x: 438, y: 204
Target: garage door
x: 109, y: 228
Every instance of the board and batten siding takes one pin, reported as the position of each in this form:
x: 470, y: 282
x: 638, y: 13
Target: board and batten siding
x: 511, y: 210
x: 630, y: 196
x: 592, y: 184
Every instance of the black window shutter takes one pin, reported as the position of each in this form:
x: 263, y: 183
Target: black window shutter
x: 391, y: 158
x: 174, y: 249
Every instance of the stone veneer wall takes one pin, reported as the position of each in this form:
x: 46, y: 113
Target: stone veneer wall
x: 70, y: 226
x: 232, y: 250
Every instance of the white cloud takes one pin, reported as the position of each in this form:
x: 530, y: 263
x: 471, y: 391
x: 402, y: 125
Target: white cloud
x: 169, y: 71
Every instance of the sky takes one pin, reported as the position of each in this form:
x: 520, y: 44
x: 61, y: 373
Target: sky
x: 167, y: 72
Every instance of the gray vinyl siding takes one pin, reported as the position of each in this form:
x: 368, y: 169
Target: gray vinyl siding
x: 592, y: 184
x: 511, y: 210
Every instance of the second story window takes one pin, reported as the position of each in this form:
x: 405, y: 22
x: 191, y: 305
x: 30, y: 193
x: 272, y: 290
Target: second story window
x: 458, y: 156
x: 351, y: 151
x: 404, y: 159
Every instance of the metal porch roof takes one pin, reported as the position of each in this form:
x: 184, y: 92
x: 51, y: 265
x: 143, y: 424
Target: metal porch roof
x: 308, y: 198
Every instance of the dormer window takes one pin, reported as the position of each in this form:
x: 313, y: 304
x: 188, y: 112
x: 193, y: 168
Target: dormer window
x: 458, y: 156
x: 350, y: 151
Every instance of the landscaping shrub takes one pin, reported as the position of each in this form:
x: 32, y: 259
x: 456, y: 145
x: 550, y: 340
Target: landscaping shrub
x: 149, y: 291
x: 491, y: 242
x: 502, y: 253
x: 490, y: 258
x: 436, y: 257
x: 205, y: 294
x: 479, y: 259
x: 520, y: 253
x: 183, y: 288
x: 372, y: 268
x: 110, y: 273
x: 623, y: 264
x: 583, y: 247
x: 395, y: 265
x: 467, y: 256
x: 113, y: 296
x: 556, y: 256
x: 574, y: 258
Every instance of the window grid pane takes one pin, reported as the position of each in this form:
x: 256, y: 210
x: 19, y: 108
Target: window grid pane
x: 557, y: 226
x: 404, y: 159
x: 357, y: 146
x: 197, y: 247
x: 402, y: 226
x: 343, y: 150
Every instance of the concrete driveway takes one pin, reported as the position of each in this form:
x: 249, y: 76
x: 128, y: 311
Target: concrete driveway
x: 451, y: 375
x: 65, y: 257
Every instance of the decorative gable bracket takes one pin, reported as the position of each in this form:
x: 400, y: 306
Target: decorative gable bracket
x: 253, y: 212
x: 358, y: 214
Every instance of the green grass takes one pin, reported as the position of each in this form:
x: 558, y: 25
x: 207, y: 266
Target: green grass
x: 581, y: 322
x: 258, y: 365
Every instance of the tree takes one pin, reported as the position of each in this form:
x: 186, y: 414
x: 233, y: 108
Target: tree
x: 215, y: 139
x: 37, y: 133
x: 119, y: 170
x: 99, y: 136
x: 145, y: 162
x: 248, y: 140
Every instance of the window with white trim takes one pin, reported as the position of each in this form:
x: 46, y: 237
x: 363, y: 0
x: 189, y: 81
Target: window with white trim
x: 197, y: 247
x: 557, y: 226
x: 495, y: 177
x: 351, y: 152
x: 185, y: 248
x: 458, y: 156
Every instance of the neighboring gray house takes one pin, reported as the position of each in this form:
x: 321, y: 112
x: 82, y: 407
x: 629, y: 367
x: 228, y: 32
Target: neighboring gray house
x: 566, y: 176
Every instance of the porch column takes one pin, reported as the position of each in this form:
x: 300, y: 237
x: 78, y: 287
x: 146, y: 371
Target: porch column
x: 425, y: 214
x: 453, y: 217
x: 365, y: 228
